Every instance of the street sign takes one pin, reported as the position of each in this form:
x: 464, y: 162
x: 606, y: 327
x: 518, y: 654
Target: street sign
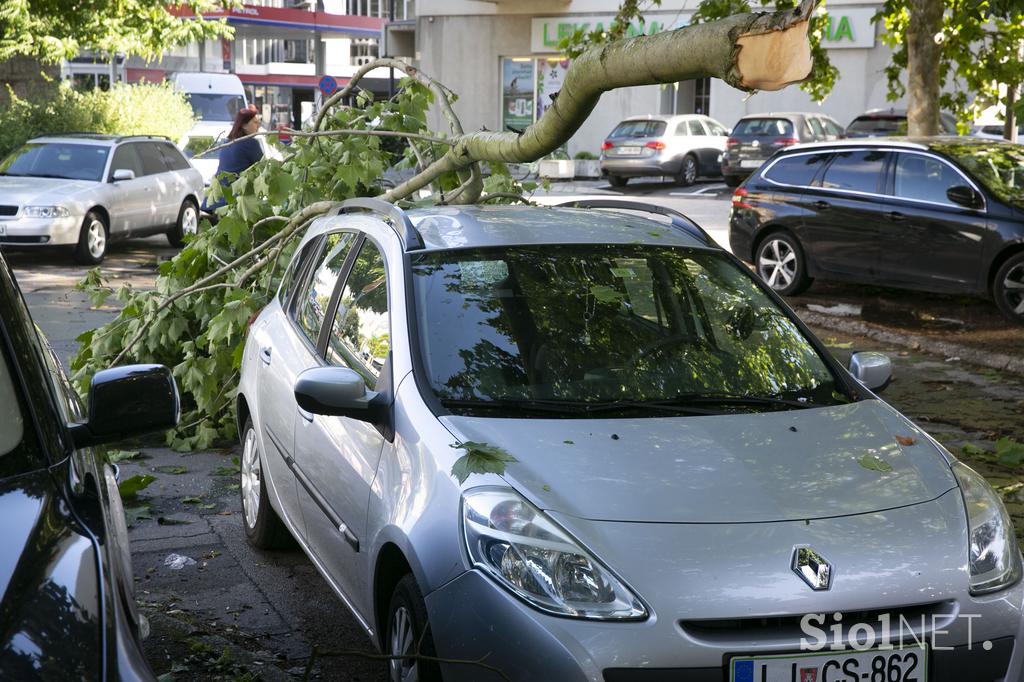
x: 328, y: 85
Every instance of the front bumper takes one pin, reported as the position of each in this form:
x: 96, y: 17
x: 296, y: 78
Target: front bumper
x: 40, y: 231
x: 728, y: 595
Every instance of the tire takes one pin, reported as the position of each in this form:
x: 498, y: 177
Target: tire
x: 780, y: 262
x: 92, y: 240
x: 1008, y: 289
x: 732, y: 180
x: 406, y: 622
x: 617, y: 180
x: 188, y: 223
x: 688, y: 171
x: 263, y: 527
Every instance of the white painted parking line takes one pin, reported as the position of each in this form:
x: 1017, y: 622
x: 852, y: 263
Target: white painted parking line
x: 702, y: 190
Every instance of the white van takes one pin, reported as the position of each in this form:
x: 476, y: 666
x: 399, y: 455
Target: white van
x: 214, y: 96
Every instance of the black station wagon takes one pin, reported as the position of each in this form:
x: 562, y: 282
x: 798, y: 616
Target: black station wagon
x: 942, y: 214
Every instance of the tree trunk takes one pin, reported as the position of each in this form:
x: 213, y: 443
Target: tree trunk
x: 923, y: 55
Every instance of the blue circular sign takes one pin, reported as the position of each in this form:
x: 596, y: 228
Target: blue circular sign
x: 328, y: 85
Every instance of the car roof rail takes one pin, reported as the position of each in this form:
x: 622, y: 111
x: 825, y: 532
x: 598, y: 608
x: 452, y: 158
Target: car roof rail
x: 411, y: 239
x: 679, y: 220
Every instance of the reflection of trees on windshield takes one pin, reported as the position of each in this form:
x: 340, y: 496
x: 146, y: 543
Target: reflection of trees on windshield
x: 599, y: 323
x: 361, y: 325
x: 999, y: 166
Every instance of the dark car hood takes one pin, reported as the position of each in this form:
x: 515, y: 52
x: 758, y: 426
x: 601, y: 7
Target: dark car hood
x: 50, y: 617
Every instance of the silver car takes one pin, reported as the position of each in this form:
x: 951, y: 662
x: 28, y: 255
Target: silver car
x: 577, y: 444
x: 86, y: 190
x: 682, y: 147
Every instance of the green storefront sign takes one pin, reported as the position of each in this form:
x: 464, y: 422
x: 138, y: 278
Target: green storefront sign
x: 554, y: 33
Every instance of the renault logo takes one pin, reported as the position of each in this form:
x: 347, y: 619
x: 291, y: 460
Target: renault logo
x: 814, y: 569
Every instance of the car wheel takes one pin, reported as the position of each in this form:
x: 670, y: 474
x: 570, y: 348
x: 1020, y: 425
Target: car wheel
x: 781, y: 264
x: 263, y: 527
x: 92, y: 240
x: 617, y: 180
x: 687, y: 172
x: 732, y: 180
x: 188, y: 223
x: 1008, y: 289
x: 408, y: 634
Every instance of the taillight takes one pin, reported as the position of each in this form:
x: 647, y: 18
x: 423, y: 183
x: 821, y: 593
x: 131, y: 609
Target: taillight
x: 732, y: 142
x: 656, y: 146
x: 785, y: 141
x: 738, y: 198
x: 606, y: 146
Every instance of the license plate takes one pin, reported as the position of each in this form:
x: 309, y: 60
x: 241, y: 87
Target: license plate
x: 902, y: 665
x: 750, y: 163
x: 629, y: 151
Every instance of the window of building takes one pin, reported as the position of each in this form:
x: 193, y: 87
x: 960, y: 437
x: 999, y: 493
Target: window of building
x: 702, y: 96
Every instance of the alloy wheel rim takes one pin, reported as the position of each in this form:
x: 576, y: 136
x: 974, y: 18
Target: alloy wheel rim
x: 402, y: 641
x: 96, y: 239
x: 777, y: 264
x: 189, y: 220
x: 1013, y: 289
x: 250, y: 478
x: 690, y: 170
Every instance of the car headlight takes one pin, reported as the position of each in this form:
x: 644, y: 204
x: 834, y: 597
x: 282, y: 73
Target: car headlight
x: 995, y: 560
x: 527, y: 553
x: 45, y: 212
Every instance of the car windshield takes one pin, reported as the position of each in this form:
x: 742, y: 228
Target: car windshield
x: 878, y: 125
x: 764, y: 126
x: 999, y: 166
x: 215, y: 107
x: 629, y: 325
x: 198, y: 145
x: 639, y: 129
x: 65, y: 160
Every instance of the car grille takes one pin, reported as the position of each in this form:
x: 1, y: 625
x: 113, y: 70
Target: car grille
x: 8, y: 210
x: 785, y: 630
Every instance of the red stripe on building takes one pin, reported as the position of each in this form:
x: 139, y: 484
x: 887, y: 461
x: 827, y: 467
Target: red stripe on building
x: 300, y: 19
x: 148, y: 75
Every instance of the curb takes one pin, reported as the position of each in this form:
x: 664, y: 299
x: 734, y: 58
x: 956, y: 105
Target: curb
x: 974, y: 356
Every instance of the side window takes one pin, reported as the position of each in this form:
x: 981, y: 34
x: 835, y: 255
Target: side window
x: 682, y: 130
x: 312, y: 306
x: 125, y: 158
x: 361, y: 335
x: 173, y: 157
x: 857, y: 171
x: 290, y: 278
x: 832, y: 127
x: 716, y: 128
x: 152, y: 160
x: 816, y: 128
x: 695, y: 127
x: 796, y: 170
x: 924, y: 178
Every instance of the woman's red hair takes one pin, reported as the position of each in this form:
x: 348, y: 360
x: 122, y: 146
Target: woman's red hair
x: 242, y: 118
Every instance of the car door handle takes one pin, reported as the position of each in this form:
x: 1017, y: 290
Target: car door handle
x: 896, y: 216
x: 265, y: 354
x: 821, y: 205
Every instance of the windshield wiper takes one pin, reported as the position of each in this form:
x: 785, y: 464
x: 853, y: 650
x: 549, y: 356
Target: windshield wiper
x: 731, y: 399
x: 577, y: 406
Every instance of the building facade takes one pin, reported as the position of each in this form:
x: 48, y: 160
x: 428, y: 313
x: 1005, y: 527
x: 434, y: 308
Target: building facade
x: 502, y: 58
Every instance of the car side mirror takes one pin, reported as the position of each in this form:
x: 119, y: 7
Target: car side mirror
x: 340, y: 392
x: 874, y: 370
x: 128, y: 401
x: 123, y: 174
x: 964, y: 196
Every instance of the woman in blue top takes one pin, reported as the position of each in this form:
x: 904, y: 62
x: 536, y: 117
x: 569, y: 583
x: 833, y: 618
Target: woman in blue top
x: 237, y: 157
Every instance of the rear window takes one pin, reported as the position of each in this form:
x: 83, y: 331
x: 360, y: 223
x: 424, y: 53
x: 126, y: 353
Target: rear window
x: 797, y: 170
x: 878, y: 125
x: 639, y: 129
x: 764, y: 126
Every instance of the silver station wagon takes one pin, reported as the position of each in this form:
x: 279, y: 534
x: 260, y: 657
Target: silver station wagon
x: 85, y: 190
x: 589, y: 444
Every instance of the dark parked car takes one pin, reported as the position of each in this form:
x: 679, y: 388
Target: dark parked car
x: 889, y: 122
x: 942, y: 214
x: 68, y: 610
x: 756, y: 137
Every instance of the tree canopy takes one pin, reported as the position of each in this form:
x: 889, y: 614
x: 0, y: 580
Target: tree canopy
x: 52, y: 30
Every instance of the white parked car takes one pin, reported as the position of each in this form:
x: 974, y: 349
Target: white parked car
x: 86, y: 189
x: 683, y: 147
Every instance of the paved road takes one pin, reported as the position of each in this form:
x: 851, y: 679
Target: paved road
x: 237, y: 611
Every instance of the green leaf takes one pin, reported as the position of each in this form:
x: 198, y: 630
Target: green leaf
x: 480, y: 458
x: 874, y: 463
x: 115, y: 456
x: 1009, y: 452
x: 171, y: 469
x: 132, y: 486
